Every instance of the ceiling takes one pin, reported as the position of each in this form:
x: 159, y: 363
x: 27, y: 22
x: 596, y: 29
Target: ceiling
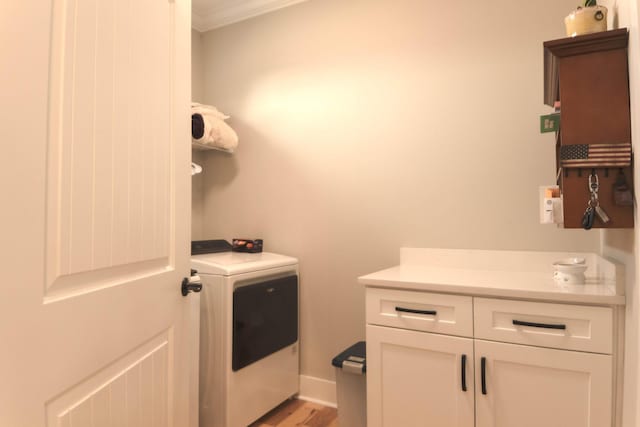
x: 210, y: 14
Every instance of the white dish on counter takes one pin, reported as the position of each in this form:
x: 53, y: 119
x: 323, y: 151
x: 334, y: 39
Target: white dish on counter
x: 570, y: 271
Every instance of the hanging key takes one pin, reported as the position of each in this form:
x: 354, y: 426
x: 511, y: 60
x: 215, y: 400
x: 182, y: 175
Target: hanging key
x: 594, y: 203
x: 602, y: 214
x: 587, y: 218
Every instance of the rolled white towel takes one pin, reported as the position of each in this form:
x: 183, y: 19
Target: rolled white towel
x: 203, y: 109
x: 217, y: 134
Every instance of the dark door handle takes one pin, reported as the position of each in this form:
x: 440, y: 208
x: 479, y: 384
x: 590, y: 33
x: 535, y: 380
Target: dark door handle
x: 188, y: 286
x: 539, y: 325
x: 463, y: 370
x: 483, y: 374
x: 411, y: 310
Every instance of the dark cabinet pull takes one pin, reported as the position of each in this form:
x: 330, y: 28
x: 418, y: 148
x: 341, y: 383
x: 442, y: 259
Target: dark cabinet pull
x: 538, y: 325
x: 463, y: 368
x: 483, y: 374
x: 411, y: 310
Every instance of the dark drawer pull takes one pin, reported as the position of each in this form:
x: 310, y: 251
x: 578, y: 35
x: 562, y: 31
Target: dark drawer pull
x: 411, y: 310
x: 539, y: 325
x: 463, y: 368
x: 483, y: 374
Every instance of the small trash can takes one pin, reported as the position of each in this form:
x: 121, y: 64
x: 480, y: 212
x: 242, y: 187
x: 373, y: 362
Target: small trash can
x: 351, y: 385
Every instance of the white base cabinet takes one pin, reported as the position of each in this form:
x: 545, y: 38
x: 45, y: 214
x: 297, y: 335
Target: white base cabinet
x: 416, y: 377
x: 532, y: 387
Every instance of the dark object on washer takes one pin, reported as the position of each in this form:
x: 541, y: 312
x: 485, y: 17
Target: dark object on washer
x: 246, y: 245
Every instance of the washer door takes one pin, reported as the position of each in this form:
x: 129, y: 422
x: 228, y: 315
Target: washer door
x: 265, y: 319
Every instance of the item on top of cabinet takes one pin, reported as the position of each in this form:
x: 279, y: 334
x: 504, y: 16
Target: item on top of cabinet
x: 246, y: 245
x: 570, y: 271
x: 209, y: 130
x: 586, y: 19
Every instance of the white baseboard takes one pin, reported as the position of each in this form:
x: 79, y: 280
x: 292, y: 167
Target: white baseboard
x: 318, y: 390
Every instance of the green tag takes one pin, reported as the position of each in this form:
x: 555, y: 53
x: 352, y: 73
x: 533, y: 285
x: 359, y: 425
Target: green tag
x: 550, y: 123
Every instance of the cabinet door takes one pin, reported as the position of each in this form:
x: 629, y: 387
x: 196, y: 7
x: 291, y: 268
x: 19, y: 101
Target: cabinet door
x: 416, y: 379
x: 533, y: 387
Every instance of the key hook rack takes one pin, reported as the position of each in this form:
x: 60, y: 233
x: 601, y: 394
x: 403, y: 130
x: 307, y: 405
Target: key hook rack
x: 605, y: 170
x: 593, y: 129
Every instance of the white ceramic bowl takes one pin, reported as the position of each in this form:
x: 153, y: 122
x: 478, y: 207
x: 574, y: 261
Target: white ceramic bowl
x: 570, y: 270
x: 571, y: 265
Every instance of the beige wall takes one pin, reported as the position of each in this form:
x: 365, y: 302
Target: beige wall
x: 197, y: 67
x: 367, y: 125
x: 197, y: 92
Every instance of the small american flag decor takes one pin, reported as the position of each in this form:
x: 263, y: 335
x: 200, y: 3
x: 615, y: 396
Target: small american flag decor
x: 595, y: 155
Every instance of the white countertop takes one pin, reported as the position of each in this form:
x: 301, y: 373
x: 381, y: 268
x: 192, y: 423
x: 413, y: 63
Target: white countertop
x: 524, y: 275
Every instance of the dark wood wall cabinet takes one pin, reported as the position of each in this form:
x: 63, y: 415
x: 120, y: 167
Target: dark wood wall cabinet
x: 589, y: 76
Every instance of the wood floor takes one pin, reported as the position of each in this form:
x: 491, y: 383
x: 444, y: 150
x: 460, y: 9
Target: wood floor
x: 294, y: 413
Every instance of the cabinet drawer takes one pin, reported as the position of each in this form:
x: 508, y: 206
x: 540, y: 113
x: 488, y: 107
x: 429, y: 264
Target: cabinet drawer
x: 571, y: 327
x: 420, y: 311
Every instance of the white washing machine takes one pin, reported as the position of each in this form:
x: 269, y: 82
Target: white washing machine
x: 249, y: 354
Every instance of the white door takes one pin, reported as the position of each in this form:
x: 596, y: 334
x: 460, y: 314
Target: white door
x: 416, y: 379
x: 533, y: 387
x: 95, y: 185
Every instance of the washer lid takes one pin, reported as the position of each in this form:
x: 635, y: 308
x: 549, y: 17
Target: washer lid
x: 229, y: 263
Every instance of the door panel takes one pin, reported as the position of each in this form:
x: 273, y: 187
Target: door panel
x: 141, y: 377
x: 415, y: 379
x: 532, y: 387
x: 109, y: 181
x: 95, y: 179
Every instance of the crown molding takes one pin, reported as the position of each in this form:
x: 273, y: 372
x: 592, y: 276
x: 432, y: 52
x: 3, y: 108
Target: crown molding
x: 237, y: 12
x: 197, y: 22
